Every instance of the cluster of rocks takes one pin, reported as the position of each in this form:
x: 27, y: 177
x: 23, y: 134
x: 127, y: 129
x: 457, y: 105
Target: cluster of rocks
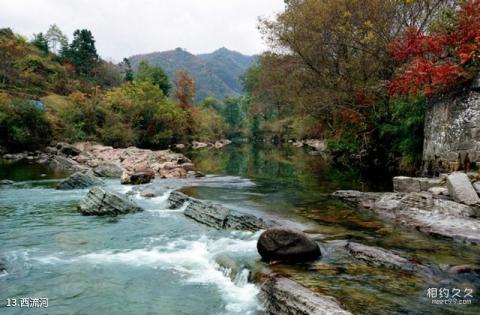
x: 132, y: 160
x: 132, y: 165
x: 277, y: 243
x: 319, y: 146
x: 447, y: 206
x: 198, y: 145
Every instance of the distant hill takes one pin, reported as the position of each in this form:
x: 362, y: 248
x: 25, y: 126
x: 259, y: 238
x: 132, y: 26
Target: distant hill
x: 216, y: 74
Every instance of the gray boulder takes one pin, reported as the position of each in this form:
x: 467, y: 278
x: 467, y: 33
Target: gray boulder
x: 100, y: 201
x: 287, y: 297
x: 215, y: 215
x: 79, y: 180
x: 108, y: 170
x: 461, y: 190
x: 382, y: 257
x: 287, y: 245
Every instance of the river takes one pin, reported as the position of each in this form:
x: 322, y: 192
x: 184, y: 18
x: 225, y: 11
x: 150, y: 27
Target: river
x: 160, y: 262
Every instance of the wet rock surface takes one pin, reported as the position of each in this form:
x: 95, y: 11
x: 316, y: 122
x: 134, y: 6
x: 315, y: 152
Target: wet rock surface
x: 287, y: 245
x: 464, y: 269
x: 6, y: 182
x: 79, y: 180
x: 285, y: 296
x: 100, y: 201
x: 421, y: 211
x: 215, y: 215
x: 381, y: 257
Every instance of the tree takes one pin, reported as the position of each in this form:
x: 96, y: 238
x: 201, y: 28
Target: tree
x: 40, y: 42
x: 82, y: 52
x: 154, y: 75
x: 127, y: 70
x: 233, y: 113
x: 185, y: 89
x: 56, y: 39
x: 440, y: 60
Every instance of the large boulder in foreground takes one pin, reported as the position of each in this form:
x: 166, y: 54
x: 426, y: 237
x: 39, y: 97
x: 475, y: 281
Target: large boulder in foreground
x: 285, y: 296
x: 287, y: 245
x: 100, y: 201
x: 79, y: 180
x: 461, y: 190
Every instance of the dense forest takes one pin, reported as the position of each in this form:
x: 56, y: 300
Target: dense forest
x: 357, y: 74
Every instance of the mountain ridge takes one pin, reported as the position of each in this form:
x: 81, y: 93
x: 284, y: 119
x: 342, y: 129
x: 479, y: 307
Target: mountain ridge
x: 216, y: 74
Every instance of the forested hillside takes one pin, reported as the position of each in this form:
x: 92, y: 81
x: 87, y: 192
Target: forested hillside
x: 55, y: 89
x: 216, y: 74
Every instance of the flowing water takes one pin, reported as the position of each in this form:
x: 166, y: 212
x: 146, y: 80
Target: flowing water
x: 160, y: 262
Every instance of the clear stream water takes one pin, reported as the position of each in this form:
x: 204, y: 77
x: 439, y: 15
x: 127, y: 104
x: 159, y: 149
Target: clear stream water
x: 160, y: 262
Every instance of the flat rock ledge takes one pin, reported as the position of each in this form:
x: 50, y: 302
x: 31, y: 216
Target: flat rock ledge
x: 420, y: 210
x: 381, y: 257
x: 217, y: 216
x: 100, y: 201
x: 287, y: 297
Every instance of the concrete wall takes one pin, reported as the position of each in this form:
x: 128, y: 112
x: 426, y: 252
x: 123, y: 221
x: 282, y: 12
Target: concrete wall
x: 452, y: 131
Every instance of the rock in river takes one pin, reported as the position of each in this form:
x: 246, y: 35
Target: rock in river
x: 6, y: 182
x: 382, y: 257
x: 217, y: 216
x: 137, y: 178
x: 79, y: 180
x: 287, y: 297
x: 108, y: 170
x: 287, y: 245
x: 103, y: 202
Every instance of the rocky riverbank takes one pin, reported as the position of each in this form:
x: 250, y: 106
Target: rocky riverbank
x: 106, y: 161
x: 447, y: 206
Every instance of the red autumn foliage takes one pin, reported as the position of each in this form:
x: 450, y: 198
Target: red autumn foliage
x: 439, y: 61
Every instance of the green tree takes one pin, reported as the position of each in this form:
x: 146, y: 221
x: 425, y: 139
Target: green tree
x: 127, y: 70
x: 55, y: 38
x: 23, y: 124
x: 40, y: 42
x: 82, y: 52
x: 233, y: 114
x: 154, y: 75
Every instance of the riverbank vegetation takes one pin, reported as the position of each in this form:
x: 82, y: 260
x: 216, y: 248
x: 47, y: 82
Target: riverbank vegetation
x: 358, y: 74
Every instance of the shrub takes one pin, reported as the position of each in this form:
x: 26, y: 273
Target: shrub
x: 23, y: 124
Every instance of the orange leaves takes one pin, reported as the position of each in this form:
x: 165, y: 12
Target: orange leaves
x: 438, y: 61
x: 185, y: 89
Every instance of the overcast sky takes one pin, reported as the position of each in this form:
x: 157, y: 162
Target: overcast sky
x: 126, y: 27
